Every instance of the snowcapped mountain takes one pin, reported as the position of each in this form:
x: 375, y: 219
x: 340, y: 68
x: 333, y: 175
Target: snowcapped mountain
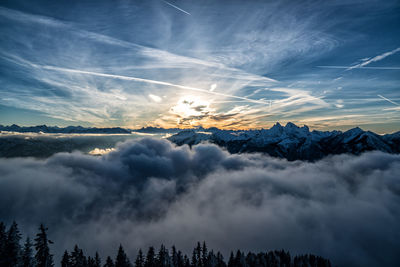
x: 293, y: 142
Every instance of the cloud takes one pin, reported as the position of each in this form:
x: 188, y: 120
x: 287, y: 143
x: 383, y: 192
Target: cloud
x: 155, y: 98
x: 149, y: 192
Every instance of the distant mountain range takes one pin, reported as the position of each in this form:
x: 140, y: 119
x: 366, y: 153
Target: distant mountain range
x: 83, y: 130
x: 293, y: 142
x: 290, y: 141
x: 66, y: 130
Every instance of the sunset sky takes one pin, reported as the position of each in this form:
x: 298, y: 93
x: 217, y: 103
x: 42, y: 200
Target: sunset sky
x: 228, y: 64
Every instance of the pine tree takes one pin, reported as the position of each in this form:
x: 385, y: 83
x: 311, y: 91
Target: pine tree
x: 139, y: 259
x: 204, y: 255
x: 194, y: 259
x: 27, y: 254
x: 162, y: 257
x: 109, y: 262
x: 97, y: 260
x: 77, y: 258
x: 3, y: 240
x: 122, y: 260
x: 231, y: 262
x: 12, y: 249
x: 150, y: 258
x: 65, y: 261
x: 43, y: 256
x: 90, y: 262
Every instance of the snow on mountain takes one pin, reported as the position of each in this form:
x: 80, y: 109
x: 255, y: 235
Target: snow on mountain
x: 292, y: 142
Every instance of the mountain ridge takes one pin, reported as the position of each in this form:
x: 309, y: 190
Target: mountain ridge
x: 293, y: 142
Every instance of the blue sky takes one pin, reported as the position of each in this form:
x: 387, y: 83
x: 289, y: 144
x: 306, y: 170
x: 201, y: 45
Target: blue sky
x: 229, y: 64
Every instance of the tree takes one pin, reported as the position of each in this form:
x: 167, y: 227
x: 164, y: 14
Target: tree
x: 12, y: 249
x: 43, y: 256
x: 150, y: 258
x: 139, y: 259
x: 65, y: 261
x: 27, y: 254
x: 162, y: 257
x: 97, y: 260
x: 3, y: 241
x: 204, y: 255
x: 90, y: 262
x: 122, y: 260
x: 109, y: 262
x: 77, y: 258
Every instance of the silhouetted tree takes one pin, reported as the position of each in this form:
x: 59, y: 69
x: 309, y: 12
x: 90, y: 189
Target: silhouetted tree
x: 91, y: 262
x: 150, y: 258
x: 231, y: 262
x: 27, y: 254
x: 3, y: 240
x: 97, y: 260
x: 139, y: 262
x: 109, y: 262
x: 43, y: 256
x: 122, y: 260
x: 65, y: 261
x: 12, y: 249
x: 204, y: 255
x: 163, y: 257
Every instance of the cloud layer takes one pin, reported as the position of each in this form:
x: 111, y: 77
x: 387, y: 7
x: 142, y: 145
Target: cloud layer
x: 148, y: 192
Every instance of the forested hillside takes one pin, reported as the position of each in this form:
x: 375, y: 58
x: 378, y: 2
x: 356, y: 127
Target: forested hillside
x: 37, y: 253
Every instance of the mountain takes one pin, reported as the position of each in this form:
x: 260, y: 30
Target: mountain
x: 66, y: 130
x: 292, y: 142
x: 157, y: 130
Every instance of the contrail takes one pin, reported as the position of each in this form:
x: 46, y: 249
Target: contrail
x: 129, y: 78
x: 369, y: 61
x: 375, y: 59
x: 372, y: 68
x: 180, y: 9
x: 387, y: 99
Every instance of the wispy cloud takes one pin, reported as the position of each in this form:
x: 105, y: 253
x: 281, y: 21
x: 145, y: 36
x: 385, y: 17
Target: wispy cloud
x: 129, y: 78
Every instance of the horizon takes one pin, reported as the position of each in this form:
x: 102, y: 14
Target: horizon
x: 343, y: 128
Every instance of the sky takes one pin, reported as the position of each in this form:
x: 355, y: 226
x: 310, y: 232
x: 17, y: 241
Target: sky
x: 228, y: 64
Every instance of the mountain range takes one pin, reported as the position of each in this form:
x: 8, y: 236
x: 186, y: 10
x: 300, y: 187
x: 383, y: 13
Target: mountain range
x: 292, y: 142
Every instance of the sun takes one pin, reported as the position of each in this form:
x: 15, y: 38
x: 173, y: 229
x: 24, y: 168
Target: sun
x: 191, y: 106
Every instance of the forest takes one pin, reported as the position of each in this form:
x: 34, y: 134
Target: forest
x: 37, y: 253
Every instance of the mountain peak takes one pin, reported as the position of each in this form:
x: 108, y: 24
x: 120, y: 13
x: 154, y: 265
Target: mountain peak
x: 291, y: 125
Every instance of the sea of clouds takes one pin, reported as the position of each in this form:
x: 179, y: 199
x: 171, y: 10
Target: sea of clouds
x: 148, y: 191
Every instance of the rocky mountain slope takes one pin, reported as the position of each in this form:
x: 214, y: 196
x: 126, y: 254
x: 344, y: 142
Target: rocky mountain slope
x: 293, y: 142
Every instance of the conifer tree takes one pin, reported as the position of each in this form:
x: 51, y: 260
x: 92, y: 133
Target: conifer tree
x: 109, y: 262
x: 12, y: 249
x: 66, y: 261
x: 43, y: 257
x: 27, y: 254
x: 162, y: 257
x: 90, y: 262
x: 3, y: 240
x: 204, y: 255
x: 150, y: 258
x: 122, y: 260
x: 139, y: 259
x: 97, y: 260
